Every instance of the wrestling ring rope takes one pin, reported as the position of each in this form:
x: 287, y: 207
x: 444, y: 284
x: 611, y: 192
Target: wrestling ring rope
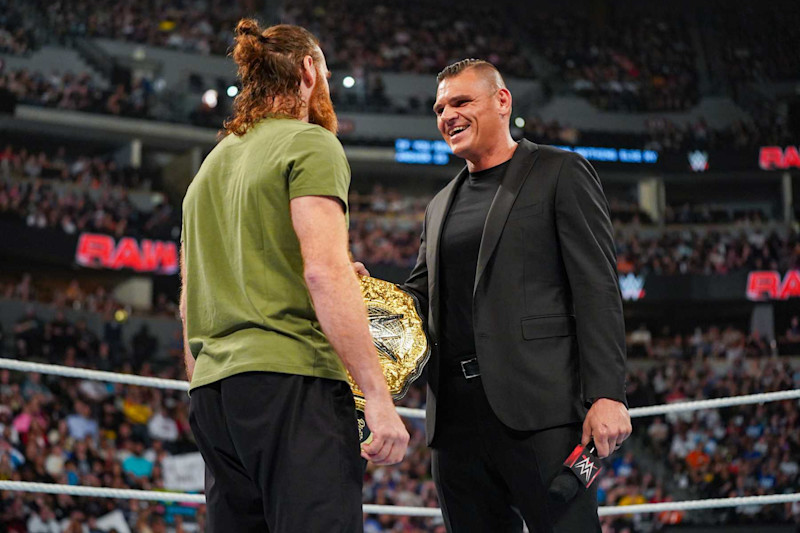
x: 174, y: 384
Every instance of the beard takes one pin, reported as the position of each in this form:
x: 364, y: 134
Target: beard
x: 320, y: 109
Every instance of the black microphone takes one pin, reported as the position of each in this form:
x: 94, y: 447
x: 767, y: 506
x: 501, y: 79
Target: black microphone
x: 579, y: 471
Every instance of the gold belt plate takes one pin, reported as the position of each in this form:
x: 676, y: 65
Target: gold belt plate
x: 398, y: 335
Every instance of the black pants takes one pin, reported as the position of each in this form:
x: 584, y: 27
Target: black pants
x: 281, y: 454
x: 490, y: 477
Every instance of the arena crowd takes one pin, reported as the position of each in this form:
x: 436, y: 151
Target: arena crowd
x: 82, y: 432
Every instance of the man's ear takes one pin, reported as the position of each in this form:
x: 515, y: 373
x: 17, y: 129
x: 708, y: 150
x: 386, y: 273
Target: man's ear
x: 309, y: 73
x: 504, y: 100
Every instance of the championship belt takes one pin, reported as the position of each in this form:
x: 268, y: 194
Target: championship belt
x: 400, y: 342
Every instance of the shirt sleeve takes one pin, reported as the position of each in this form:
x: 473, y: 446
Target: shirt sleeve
x: 318, y: 166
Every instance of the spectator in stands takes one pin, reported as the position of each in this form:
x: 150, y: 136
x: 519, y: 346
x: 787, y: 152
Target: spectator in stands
x: 164, y: 306
x: 86, y: 341
x: 162, y: 427
x: 80, y: 423
x: 27, y: 331
x: 136, y: 464
x: 24, y: 290
x: 33, y: 386
x: 145, y: 345
x: 62, y: 334
x: 793, y: 331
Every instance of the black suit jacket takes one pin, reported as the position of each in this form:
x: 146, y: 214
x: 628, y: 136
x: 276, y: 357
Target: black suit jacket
x: 547, y: 310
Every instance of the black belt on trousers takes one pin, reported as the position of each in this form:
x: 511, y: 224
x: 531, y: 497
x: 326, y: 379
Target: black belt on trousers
x: 466, y: 368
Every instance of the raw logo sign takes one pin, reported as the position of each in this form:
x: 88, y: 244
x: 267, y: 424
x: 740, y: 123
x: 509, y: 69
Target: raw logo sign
x: 102, y: 251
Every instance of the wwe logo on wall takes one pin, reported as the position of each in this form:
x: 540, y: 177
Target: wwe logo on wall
x: 698, y: 161
x: 632, y: 287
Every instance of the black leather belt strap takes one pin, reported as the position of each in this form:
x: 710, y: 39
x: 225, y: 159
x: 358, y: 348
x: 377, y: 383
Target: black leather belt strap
x: 470, y: 368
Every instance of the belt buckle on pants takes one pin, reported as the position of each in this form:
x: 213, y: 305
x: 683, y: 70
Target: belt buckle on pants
x: 473, y: 371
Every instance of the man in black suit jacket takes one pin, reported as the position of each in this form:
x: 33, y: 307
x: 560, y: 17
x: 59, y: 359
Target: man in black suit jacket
x: 517, y: 278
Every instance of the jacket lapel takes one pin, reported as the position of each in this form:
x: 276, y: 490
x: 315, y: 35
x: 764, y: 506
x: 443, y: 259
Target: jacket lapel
x: 519, y: 168
x: 433, y: 234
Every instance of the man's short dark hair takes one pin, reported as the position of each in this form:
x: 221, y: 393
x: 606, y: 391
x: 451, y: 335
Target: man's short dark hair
x: 467, y: 64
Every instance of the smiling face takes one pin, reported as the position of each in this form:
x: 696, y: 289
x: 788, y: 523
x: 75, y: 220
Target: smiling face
x: 472, y: 113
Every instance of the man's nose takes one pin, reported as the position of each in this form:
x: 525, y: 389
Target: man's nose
x: 448, y: 114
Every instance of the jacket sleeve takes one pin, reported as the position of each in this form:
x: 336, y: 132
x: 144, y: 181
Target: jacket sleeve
x: 586, y: 239
x: 417, y: 282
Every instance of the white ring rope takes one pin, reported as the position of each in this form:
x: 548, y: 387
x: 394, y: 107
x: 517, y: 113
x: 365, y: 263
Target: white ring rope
x: 99, y: 375
x: 715, y: 403
x: 134, y: 494
x: 410, y: 412
x: 635, y: 412
x: 179, y: 497
x: 694, y: 505
x: 113, y: 377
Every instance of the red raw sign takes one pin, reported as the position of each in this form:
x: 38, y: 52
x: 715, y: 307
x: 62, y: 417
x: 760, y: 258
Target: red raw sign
x: 768, y: 285
x: 775, y: 157
x: 101, y: 251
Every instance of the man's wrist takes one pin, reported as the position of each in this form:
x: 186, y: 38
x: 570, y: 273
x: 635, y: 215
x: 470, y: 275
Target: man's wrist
x: 588, y: 402
x: 378, y: 394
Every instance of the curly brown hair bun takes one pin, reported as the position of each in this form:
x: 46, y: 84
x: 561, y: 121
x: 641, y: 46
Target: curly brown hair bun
x: 270, y: 69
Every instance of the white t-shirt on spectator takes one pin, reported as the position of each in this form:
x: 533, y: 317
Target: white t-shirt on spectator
x: 790, y: 468
x: 681, y: 446
x: 93, y: 390
x: 54, y: 464
x: 658, y: 432
x: 162, y: 427
x: 37, y: 525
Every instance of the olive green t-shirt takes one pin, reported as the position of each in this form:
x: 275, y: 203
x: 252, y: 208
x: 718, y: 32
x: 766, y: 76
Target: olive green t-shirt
x: 247, y: 304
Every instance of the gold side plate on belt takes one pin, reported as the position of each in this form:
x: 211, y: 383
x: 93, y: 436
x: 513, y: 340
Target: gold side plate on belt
x: 398, y: 334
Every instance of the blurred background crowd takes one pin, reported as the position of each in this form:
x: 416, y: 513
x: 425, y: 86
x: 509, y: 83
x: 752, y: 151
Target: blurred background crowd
x: 83, y: 432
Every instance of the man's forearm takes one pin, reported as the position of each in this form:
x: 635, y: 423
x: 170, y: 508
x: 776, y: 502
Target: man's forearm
x: 188, y: 358
x: 188, y: 362
x: 319, y: 223
x: 340, y: 309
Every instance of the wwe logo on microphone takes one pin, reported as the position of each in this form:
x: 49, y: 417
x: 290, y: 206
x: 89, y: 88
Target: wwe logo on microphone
x: 586, y: 467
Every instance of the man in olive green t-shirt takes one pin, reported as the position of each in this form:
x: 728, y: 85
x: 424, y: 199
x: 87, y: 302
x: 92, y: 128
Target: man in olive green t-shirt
x: 271, y: 306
